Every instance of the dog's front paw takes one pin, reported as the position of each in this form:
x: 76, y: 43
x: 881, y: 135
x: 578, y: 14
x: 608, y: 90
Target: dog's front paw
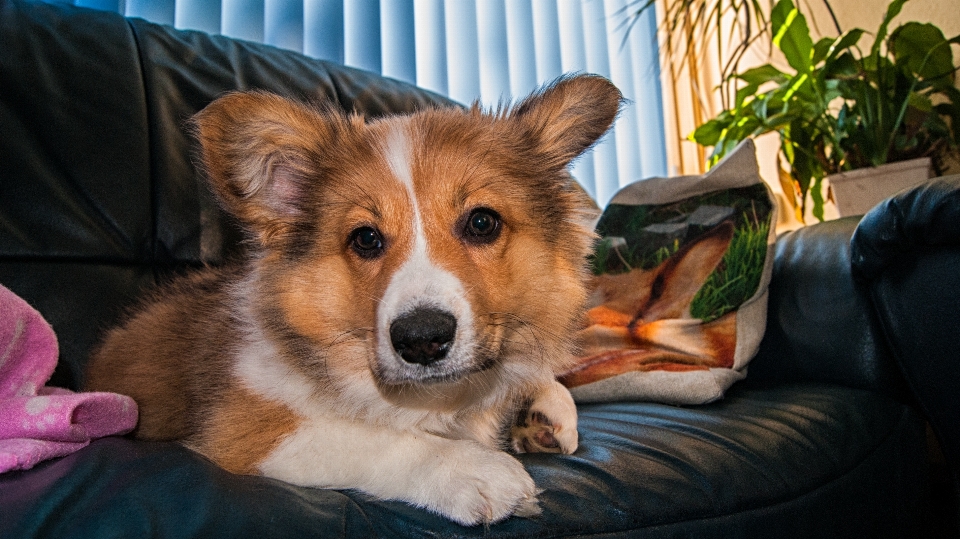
x: 548, y: 425
x: 483, y: 486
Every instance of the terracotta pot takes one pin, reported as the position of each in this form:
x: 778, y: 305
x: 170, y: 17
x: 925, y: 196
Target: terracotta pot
x: 857, y: 191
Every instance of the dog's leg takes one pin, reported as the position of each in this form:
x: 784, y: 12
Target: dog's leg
x: 548, y: 424
x: 459, y: 479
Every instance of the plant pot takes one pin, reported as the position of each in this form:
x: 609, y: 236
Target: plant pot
x: 857, y: 191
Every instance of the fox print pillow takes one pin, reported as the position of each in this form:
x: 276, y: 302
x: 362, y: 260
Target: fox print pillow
x: 679, y: 287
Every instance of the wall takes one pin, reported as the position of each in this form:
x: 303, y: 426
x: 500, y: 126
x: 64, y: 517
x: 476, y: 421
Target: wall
x: 867, y: 14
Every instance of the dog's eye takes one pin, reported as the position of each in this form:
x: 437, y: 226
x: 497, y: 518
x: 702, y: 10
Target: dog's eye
x: 482, y: 226
x: 367, y: 242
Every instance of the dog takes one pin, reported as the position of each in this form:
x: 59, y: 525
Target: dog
x: 411, y: 289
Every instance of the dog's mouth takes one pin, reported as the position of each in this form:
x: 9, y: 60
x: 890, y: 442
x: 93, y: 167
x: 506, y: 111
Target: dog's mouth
x: 432, y: 376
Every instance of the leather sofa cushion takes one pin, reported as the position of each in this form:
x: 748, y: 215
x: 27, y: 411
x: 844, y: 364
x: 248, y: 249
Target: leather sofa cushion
x: 782, y: 459
x: 74, y: 158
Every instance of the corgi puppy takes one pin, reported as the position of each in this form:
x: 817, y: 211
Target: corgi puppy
x: 640, y: 320
x: 410, y: 291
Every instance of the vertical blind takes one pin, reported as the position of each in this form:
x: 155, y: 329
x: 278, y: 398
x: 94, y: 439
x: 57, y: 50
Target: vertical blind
x: 486, y: 50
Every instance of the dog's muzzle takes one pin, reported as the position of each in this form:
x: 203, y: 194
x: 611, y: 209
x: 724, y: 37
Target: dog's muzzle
x: 424, y: 335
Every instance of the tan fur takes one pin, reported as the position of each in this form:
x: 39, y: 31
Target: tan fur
x: 243, y: 430
x: 276, y: 365
x: 165, y: 355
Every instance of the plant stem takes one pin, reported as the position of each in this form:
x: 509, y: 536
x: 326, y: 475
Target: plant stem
x: 833, y: 16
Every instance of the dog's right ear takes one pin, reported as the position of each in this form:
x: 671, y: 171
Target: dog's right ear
x: 568, y: 116
x: 260, y: 153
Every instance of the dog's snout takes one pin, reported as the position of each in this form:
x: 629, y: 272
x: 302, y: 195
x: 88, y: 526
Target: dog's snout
x: 424, y: 335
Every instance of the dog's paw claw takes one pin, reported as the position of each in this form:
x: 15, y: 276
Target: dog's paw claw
x: 529, y: 507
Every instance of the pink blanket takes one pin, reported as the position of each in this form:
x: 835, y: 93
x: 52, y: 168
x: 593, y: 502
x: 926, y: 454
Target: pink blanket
x: 39, y: 422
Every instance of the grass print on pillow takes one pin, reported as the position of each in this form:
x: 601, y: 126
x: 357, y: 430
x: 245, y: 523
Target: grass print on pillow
x: 679, y: 293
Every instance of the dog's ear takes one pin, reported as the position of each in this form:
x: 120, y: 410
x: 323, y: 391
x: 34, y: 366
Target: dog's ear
x: 260, y: 153
x: 568, y: 116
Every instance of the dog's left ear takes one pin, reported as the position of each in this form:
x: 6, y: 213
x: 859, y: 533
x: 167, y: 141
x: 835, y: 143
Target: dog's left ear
x: 568, y: 116
x: 259, y: 152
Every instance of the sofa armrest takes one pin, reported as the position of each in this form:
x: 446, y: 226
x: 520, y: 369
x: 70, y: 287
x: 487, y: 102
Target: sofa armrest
x: 820, y: 327
x: 907, y: 253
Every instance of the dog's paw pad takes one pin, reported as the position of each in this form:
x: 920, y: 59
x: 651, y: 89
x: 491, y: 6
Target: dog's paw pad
x: 535, y: 432
x: 542, y: 435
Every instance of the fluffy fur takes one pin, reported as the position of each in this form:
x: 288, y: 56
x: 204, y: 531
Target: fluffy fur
x: 317, y: 359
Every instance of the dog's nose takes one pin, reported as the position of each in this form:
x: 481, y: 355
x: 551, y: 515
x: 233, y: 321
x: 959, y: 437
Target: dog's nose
x: 424, y: 335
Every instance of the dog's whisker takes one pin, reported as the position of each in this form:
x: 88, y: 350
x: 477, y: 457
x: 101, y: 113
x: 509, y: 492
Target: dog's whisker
x: 348, y: 336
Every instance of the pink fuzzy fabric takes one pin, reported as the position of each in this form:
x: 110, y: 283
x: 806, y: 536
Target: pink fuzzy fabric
x: 39, y: 422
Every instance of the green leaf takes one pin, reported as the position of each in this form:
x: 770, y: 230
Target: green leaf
x: 920, y: 102
x: 892, y: 11
x: 768, y: 106
x: 709, y: 133
x: 845, y: 41
x: 778, y: 121
x: 799, y: 84
x: 762, y: 74
x: 821, y: 49
x: 922, y: 49
x: 743, y: 94
x: 816, y: 194
x: 791, y: 35
x: 951, y: 108
x: 842, y: 117
x: 831, y: 90
x: 749, y: 126
x: 843, y: 66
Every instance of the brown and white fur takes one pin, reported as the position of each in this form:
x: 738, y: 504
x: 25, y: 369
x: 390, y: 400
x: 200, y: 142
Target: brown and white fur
x: 410, y: 291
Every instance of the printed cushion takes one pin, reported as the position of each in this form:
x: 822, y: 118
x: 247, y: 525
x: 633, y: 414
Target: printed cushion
x: 679, y: 293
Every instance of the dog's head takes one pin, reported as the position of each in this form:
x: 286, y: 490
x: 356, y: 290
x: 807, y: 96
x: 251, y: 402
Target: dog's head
x: 413, y: 250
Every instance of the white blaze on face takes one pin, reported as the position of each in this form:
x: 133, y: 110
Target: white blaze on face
x: 419, y: 282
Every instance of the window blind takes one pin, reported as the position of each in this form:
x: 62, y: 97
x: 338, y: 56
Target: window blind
x: 488, y: 50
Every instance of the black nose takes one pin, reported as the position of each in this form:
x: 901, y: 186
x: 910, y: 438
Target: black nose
x: 424, y: 335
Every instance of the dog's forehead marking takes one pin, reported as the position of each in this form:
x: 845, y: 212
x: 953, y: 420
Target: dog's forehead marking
x: 397, y: 152
x: 418, y: 266
x: 419, y: 281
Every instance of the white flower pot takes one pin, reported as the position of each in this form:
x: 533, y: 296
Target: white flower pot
x: 857, y: 191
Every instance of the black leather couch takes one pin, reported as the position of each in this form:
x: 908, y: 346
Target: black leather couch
x: 99, y: 199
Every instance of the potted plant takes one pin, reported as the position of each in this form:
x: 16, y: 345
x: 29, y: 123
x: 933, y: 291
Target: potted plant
x: 840, y: 107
